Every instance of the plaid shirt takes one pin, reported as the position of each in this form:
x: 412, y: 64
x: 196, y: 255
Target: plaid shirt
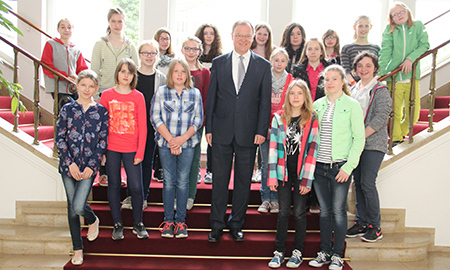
x: 178, y: 113
x: 277, y: 154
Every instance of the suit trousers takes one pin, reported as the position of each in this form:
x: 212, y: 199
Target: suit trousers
x: 222, y: 160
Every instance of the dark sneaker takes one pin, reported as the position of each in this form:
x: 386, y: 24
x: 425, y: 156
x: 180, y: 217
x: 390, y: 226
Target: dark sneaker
x: 356, y: 230
x: 372, y: 235
x: 295, y: 260
x: 140, y: 230
x: 321, y: 259
x: 336, y: 263
x: 277, y: 260
x: 166, y: 229
x: 118, y: 231
x: 180, y: 230
x: 158, y: 175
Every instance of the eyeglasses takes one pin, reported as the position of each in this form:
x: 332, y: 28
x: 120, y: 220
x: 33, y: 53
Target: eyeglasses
x: 152, y: 54
x: 398, y: 14
x: 239, y: 36
x: 331, y: 37
x: 189, y: 49
x: 164, y: 39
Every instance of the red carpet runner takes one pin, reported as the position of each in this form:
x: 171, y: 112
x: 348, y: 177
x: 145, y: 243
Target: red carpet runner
x: 195, y: 252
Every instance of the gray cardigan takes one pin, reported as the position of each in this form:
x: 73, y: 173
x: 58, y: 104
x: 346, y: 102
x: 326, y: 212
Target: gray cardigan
x: 377, y: 118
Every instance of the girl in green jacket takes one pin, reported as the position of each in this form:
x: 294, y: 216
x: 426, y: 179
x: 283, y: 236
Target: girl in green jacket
x: 404, y: 40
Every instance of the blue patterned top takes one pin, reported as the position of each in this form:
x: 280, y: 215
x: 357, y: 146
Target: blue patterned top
x: 178, y: 113
x: 81, y: 136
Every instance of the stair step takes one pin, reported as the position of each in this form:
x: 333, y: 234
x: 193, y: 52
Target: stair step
x: 256, y: 244
x: 45, y: 132
x: 32, y: 261
x: 393, y: 247
x: 27, y: 119
x: 439, y: 114
x: 42, y: 214
x: 442, y: 102
x: 176, y: 263
x: 23, y: 239
x: 5, y: 102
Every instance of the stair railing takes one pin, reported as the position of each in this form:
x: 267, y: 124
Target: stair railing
x: 412, y: 97
x: 33, y: 26
x: 36, y: 108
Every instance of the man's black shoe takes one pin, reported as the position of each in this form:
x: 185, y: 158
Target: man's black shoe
x: 237, y: 235
x: 214, y: 235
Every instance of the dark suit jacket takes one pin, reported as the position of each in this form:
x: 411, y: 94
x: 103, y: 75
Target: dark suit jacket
x: 241, y: 115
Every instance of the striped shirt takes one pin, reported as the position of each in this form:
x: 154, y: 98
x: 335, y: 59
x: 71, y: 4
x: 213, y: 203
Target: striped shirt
x: 178, y: 113
x: 326, y: 130
x: 350, y: 51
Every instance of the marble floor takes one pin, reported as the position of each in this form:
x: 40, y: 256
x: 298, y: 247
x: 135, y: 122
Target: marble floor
x: 435, y: 261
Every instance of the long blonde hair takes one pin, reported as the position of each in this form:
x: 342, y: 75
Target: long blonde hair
x: 341, y: 71
x: 307, y: 110
x: 392, y: 24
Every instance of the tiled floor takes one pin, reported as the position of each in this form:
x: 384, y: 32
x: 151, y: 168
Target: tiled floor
x: 435, y: 261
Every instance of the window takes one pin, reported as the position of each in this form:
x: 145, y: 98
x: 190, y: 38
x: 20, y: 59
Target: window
x: 189, y: 15
x: 320, y: 15
x: 6, y: 51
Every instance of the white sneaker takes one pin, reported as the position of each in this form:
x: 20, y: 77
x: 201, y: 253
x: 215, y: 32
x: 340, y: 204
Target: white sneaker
x: 190, y: 204
x: 199, y: 178
x: 126, y: 204
x: 144, y: 204
x: 208, y: 178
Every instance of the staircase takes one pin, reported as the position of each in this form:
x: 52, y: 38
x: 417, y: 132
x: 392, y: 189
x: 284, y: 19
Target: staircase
x: 441, y: 111
x: 26, y: 122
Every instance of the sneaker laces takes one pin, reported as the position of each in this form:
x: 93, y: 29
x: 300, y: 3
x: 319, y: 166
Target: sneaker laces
x: 296, y: 254
x: 165, y: 226
x: 179, y: 226
x: 321, y: 256
x: 278, y: 255
x: 336, y: 260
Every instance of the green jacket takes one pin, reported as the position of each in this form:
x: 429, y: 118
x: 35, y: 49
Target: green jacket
x: 401, y: 44
x: 348, y: 135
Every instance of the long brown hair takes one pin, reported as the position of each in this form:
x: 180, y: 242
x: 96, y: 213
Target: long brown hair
x: 216, y: 46
x: 337, y: 46
x: 158, y: 35
x: 322, y: 47
x: 268, y: 47
x: 307, y: 110
x: 131, y: 68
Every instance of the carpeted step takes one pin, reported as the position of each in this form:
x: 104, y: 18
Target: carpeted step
x: 175, y: 263
x: 418, y: 127
x: 5, y: 102
x: 439, y: 114
x: 256, y: 244
x: 27, y: 119
x: 442, y: 102
x: 45, y: 132
x: 198, y: 218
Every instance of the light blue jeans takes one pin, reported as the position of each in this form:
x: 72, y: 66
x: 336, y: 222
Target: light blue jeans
x: 266, y: 193
x: 77, y: 193
x: 332, y: 199
x: 176, y: 170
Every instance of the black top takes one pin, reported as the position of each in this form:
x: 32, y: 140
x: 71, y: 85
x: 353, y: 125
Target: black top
x: 293, y: 143
x: 146, y: 85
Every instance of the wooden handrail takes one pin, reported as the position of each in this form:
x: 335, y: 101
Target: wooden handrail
x: 34, y: 26
x: 437, y: 17
x: 34, y: 59
x: 28, y: 22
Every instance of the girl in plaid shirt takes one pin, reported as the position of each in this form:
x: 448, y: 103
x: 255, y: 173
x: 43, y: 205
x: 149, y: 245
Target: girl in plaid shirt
x: 176, y: 114
x: 292, y: 160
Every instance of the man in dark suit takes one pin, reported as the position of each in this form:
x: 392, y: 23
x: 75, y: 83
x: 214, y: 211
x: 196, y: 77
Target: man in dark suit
x: 237, y: 120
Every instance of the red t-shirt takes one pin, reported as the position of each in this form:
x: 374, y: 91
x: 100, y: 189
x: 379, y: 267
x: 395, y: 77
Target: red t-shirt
x: 127, y: 121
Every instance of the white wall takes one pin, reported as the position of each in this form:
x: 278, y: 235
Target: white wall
x: 25, y: 177
x: 420, y: 184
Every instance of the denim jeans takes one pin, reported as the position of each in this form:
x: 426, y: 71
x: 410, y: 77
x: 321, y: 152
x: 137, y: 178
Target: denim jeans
x: 77, y: 193
x: 176, y: 179
x: 332, y: 199
x: 134, y: 183
x: 286, y: 196
x: 365, y: 176
x: 266, y: 193
x: 195, y: 168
